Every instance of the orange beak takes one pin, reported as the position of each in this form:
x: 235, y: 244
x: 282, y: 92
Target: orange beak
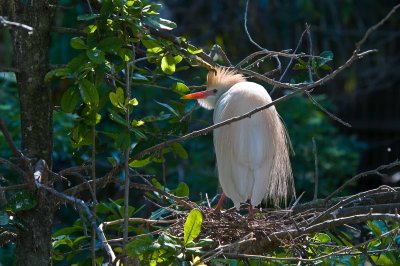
x: 198, y: 95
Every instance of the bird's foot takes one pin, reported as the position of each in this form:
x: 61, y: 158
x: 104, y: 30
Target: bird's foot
x: 251, y: 212
x: 219, y: 204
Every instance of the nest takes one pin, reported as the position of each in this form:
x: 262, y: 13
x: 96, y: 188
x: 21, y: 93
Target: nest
x: 240, y: 233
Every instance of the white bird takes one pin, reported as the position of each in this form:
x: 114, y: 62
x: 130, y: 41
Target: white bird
x: 252, y: 154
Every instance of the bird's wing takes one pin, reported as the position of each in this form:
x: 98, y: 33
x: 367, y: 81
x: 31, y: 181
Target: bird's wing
x: 242, y: 147
x: 252, y: 154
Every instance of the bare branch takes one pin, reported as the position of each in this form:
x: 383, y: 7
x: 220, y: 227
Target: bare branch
x: 14, y: 167
x: 298, y: 89
x: 375, y: 27
x: 10, y: 142
x: 139, y: 220
x: 81, y: 205
x: 11, y: 24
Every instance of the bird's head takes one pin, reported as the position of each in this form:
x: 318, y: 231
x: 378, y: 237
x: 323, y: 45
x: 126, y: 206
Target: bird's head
x: 219, y: 81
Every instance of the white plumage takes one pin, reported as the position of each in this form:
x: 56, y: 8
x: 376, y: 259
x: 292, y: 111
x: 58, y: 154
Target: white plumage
x: 252, y: 154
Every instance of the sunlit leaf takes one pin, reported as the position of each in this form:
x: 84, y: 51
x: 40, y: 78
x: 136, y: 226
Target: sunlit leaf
x: 90, y: 29
x: 168, y: 64
x: 162, y: 23
x: 194, y: 50
x: 137, y: 123
x: 140, y: 163
x: 192, y: 227
x: 180, y: 88
x: 323, y: 238
x: 133, y: 102
x: 125, y: 54
x: 117, y: 98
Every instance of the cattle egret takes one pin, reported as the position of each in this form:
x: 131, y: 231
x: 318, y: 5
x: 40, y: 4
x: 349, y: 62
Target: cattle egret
x: 253, y: 153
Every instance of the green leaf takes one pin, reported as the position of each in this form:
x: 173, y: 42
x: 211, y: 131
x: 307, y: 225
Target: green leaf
x: 138, y: 246
x: 21, y: 201
x: 117, y: 118
x: 177, y: 59
x: 140, y: 163
x: 123, y: 140
x: 95, y: 55
x: 194, y: 50
x: 168, y: 107
x: 4, y: 219
x: 137, y: 123
x: 162, y: 23
x: 299, y: 66
x: 63, y: 241
x: 110, y: 44
x: 117, y: 98
x: 192, y: 227
x: 157, y: 184
x: 168, y: 64
x: 125, y: 54
x: 90, y: 29
x: 133, y: 102
x: 86, y: 17
x: 180, y: 151
x: 326, y: 67
x: 89, y: 93
x: 78, y: 43
x: 150, y: 43
x: 204, y: 242
x: 180, y: 88
x: 69, y: 100
x: 59, y: 72
x: 323, y: 238
x: 182, y: 190
x: 67, y: 231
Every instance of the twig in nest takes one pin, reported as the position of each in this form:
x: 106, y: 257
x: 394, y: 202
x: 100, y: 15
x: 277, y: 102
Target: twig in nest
x: 377, y: 171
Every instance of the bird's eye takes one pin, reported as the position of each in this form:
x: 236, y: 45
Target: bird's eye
x: 215, y: 90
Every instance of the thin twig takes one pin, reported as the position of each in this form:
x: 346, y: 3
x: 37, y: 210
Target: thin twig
x: 139, y: 220
x: 10, y: 142
x: 377, y: 171
x: 310, y: 52
x: 6, y: 23
x: 94, y: 189
x: 315, y: 169
x: 82, y: 205
x: 375, y: 27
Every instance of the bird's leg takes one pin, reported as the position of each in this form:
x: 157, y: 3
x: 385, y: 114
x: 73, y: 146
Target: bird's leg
x: 219, y: 204
x: 251, y: 212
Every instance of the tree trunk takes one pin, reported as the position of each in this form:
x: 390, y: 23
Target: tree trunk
x: 30, y: 57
